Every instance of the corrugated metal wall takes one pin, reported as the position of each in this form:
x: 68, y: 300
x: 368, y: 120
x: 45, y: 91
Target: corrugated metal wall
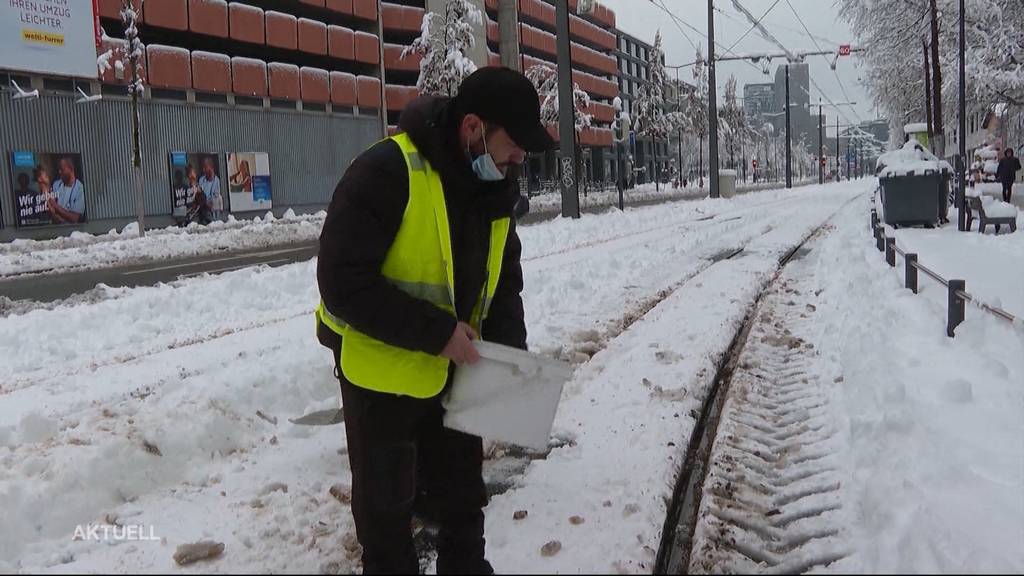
x: 308, y: 151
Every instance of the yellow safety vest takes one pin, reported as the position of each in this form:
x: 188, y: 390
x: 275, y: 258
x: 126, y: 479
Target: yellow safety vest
x: 419, y: 263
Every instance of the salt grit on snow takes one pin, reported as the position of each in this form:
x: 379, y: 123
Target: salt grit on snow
x: 168, y: 406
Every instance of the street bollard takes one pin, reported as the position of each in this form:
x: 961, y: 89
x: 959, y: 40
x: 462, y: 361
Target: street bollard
x: 911, y: 276
x: 890, y: 250
x: 957, y: 306
x: 874, y: 219
x: 880, y: 239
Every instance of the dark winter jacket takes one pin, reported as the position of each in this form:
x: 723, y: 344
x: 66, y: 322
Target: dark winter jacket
x: 1007, y: 170
x: 364, y: 217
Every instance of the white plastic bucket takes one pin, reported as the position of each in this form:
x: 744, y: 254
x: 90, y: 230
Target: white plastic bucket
x: 509, y: 396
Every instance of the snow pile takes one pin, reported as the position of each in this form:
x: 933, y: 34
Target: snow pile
x: 81, y: 251
x: 911, y: 159
x: 997, y: 208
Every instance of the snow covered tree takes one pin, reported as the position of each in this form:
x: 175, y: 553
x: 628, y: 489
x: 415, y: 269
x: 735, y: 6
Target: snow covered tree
x: 443, y: 44
x: 545, y: 80
x: 894, y: 76
x: 733, y: 120
x: 697, y: 108
x: 131, y: 51
x: 650, y: 120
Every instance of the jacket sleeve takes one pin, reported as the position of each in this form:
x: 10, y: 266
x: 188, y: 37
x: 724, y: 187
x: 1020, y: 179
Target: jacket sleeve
x: 505, y: 323
x: 362, y: 221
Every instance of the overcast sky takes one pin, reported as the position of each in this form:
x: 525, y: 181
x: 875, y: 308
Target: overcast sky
x: 642, y: 18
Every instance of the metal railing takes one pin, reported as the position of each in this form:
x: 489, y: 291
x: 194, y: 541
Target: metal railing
x: 957, y: 289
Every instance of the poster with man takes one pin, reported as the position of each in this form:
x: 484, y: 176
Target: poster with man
x: 49, y: 188
x: 196, y: 191
x: 249, y: 181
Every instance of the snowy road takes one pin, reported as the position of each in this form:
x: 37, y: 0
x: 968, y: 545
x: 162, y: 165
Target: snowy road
x: 142, y: 409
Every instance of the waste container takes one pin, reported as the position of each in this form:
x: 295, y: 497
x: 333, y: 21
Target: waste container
x: 726, y: 183
x: 914, y: 199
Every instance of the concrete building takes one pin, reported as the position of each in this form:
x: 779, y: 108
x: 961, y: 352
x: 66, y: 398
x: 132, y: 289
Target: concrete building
x: 310, y: 83
x: 758, y: 103
x: 593, y: 69
x: 645, y: 156
x: 803, y: 126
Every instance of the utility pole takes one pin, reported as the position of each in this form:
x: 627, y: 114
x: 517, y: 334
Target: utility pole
x: 837, y: 148
x: 848, y: 142
x: 938, y: 146
x: 679, y: 109
x: 927, y: 89
x: 818, y: 155
x: 566, y: 117
x: 789, y: 136
x: 380, y: 71
x: 962, y: 160
x: 712, y: 105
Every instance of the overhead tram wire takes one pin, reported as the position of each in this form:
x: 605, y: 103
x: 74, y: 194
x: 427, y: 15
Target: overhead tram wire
x: 818, y: 46
x: 660, y: 4
x: 750, y: 30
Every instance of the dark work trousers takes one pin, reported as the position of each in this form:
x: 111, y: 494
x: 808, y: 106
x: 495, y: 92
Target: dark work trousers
x: 388, y: 436
x: 1007, y: 190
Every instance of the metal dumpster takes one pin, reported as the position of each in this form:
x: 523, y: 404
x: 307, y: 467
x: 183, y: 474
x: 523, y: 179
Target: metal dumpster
x: 914, y: 199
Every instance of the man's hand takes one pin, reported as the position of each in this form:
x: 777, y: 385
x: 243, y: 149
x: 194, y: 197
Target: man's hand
x: 460, y: 347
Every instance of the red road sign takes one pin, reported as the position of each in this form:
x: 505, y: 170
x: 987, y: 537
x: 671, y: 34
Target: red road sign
x: 844, y: 49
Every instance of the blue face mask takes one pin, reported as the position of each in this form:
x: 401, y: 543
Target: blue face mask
x: 485, y: 168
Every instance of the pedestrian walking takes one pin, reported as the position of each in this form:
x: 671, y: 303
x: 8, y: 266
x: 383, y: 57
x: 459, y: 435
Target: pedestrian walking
x: 419, y: 256
x: 1006, y: 173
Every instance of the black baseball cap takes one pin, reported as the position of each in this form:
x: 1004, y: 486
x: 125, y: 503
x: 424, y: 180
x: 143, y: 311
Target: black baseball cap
x: 502, y: 96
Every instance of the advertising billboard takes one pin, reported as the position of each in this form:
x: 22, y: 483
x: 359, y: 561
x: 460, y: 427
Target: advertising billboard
x: 49, y: 37
x: 49, y: 188
x: 196, y: 191
x: 249, y: 181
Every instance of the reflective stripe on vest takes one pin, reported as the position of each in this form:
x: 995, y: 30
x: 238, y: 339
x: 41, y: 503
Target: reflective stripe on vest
x: 418, y: 263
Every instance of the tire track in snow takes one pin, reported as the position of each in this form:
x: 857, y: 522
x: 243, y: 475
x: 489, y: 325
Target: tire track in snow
x: 771, y: 496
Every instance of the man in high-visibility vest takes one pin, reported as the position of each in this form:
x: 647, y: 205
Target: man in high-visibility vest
x: 419, y: 256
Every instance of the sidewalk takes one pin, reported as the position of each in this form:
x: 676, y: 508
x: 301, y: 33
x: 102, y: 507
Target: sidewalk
x: 79, y: 251
x: 992, y: 266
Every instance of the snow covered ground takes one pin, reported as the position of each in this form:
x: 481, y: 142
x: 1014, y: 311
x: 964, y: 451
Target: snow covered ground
x: 81, y: 251
x: 166, y: 408
x: 992, y: 265
x: 933, y: 426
